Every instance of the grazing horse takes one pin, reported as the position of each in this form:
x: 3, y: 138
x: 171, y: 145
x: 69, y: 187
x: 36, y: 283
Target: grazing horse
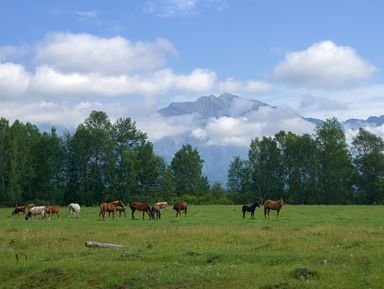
x: 110, y: 208
x: 52, y: 210
x: 120, y: 210
x: 161, y: 205
x: 74, y: 210
x: 180, y: 206
x: 142, y: 207
x: 19, y: 209
x: 273, y: 205
x: 34, y: 211
x: 155, y: 212
x: 250, y: 208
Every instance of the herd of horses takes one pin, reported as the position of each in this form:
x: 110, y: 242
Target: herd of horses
x: 153, y: 212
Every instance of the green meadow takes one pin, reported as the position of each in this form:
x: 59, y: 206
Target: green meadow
x: 212, y: 247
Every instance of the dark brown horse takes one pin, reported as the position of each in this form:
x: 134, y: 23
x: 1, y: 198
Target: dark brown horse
x: 180, y: 206
x: 250, y: 208
x: 273, y: 205
x: 110, y: 208
x: 142, y: 207
x: 19, y: 209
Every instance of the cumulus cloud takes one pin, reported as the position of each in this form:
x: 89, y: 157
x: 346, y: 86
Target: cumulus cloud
x: 48, y: 81
x: 324, y: 64
x: 322, y: 103
x: 231, y: 85
x: 222, y: 131
x: 86, y: 53
x: 14, y: 80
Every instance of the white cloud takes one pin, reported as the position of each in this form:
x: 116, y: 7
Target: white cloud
x: 172, y: 8
x: 231, y: 85
x: 222, y: 131
x: 265, y: 122
x: 324, y: 64
x: 47, y: 81
x: 86, y: 53
x: 14, y: 80
x: 322, y: 103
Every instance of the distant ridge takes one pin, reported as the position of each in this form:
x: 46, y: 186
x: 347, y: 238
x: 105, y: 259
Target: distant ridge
x: 213, y: 106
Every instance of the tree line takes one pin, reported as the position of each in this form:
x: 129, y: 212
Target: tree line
x: 100, y: 161
x: 312, y: 169
x: 103, y: 161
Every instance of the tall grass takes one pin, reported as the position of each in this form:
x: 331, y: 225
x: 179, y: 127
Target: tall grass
x: 212, y: 247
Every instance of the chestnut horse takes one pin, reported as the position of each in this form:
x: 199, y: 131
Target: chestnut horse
x: 52, y: 210
x: 142, y: 207
x: 250, y: 208
x: 273, y: 205
x: 180, y: 206
x: 110, y: 208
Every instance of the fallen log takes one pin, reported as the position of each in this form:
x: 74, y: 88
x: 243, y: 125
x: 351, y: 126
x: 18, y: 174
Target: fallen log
x: 102, y: 245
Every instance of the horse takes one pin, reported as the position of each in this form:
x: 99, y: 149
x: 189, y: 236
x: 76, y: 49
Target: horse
x: 74, y: 210
x: 161, y: 205
x: 140, y: 206
x: 273, y: 205
x: 19, y: 209
x: 36, y: 211
x: 250, y: 208
x: 180, y: 206
x: 121, y: 210
x: 52, y: 210
x: 110, y: 208
x: 155, y: 212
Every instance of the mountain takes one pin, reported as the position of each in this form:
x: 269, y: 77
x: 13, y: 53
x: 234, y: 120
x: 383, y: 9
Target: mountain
x: 355, y: 123
x: 211, y: 116
x: 205, y: 110
x: 212, y: 106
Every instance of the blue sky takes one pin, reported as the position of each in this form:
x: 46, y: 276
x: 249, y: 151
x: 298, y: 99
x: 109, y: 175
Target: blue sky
x: 61, y: 59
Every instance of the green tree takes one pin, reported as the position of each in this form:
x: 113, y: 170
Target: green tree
x: 265, y: 168
x: 335, y: 163
x: 300, y: 166
x: 367, y: 150
x: 187, y: 165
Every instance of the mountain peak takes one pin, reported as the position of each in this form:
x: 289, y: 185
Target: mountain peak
x: 213, y: 106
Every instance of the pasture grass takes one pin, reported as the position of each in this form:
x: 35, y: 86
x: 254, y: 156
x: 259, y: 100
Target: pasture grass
x: 213, y: 247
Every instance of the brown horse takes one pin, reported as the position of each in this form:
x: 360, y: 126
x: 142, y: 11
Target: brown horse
x: 110, y: 208
x: 52, y: 210
x: 273, y: 205
x: 142, y: 207
x: 180, y: 206
x: 19, y: 209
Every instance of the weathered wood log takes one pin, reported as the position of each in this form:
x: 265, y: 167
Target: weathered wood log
x: 102, y: 245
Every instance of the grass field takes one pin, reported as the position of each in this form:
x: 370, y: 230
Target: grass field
x: 213, y: 247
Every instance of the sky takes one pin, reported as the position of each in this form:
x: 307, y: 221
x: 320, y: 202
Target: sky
x: 61, y: 59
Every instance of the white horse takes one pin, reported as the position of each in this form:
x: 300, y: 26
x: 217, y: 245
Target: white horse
x: 161, y: 205
x: 74, y: 210
x: 34, y: 211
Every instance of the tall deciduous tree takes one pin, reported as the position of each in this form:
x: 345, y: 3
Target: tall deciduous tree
x: 367, y: 150
x: 335, y: 163
x: 266, y: 167
x: 187, y: 165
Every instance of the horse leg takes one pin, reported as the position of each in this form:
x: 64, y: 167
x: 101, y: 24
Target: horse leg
x: 278, y: 211
x: 253, y: 214
x: 265, y: 212
x: 268, y: 212
x: 243, y: 214
x: 133, y: 211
